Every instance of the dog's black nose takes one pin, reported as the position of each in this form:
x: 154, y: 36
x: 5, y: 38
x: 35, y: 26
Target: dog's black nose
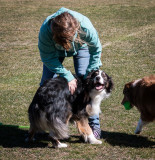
x: 97, y: 78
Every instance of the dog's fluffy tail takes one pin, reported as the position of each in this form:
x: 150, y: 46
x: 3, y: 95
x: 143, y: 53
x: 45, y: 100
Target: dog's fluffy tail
x: 58, y: 129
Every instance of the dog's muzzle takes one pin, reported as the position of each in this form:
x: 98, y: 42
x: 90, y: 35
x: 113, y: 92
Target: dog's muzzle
x: 99, y: 85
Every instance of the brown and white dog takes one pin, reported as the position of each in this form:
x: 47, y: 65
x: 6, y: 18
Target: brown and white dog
x: 53, y: 106
x: 141, y: 94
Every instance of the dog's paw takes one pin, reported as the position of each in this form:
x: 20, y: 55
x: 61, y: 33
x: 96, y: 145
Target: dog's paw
x: 93, y: 140
x: 96, y: 142
x: 139, y: 127
x: 62, y: 145
x: 137, y: 131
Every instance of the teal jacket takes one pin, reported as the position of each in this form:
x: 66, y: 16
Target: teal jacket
x: 50, y: 51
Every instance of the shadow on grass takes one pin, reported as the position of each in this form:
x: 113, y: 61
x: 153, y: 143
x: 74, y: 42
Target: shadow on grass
x: 14, y: 137
x: 11, y: 136
x: 127, y: 140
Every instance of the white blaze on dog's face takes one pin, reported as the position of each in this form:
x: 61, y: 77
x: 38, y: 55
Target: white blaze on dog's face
x: 100, y: 80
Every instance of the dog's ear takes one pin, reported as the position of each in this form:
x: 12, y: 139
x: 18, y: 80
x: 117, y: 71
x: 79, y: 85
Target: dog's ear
x: 89, y: 76
x: 129, y: 93
x: 110, y: 84
x: 127, y: 88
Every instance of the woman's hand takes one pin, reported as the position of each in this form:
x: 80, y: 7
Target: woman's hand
x: 72, y: 85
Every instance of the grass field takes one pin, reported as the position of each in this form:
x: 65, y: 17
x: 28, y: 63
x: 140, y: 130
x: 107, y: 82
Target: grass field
x: 127, y: 32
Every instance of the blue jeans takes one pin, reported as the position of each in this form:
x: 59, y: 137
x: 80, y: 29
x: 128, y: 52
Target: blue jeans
x: 81, y: 61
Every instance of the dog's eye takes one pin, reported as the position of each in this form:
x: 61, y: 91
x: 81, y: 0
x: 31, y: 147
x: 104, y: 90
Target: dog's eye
x: 97, y: 72
x: 103, y: 74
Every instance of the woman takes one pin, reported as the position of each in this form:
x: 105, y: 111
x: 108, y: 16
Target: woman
x: 68, y: 33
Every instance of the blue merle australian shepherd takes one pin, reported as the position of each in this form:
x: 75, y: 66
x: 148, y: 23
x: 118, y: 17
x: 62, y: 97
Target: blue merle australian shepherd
x: 53, y: 106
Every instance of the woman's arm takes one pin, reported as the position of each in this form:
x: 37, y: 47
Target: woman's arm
x: 50, y: 57
x: 94, y: 45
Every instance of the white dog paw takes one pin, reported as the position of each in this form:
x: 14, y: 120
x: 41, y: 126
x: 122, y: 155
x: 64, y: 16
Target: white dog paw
x: 96, y: 142
x: 93, y: 140
x: 140, y: 125
x: 137, y: 131
x: 62, y: 145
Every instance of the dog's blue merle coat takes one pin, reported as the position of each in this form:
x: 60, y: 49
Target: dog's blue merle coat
x: 55, y: 100
x: 53, y: 105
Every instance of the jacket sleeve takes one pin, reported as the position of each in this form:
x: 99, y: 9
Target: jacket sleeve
x: 50, y: 57
x: 94, y: 46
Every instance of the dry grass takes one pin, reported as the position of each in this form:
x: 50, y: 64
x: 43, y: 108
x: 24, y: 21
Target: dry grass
x: 126, y: 30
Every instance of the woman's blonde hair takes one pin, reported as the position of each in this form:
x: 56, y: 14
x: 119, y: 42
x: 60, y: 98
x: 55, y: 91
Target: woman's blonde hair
x: 64, y: 27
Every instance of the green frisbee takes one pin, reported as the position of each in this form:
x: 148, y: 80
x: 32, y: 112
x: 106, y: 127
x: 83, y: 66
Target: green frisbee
x: 127, y: 105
